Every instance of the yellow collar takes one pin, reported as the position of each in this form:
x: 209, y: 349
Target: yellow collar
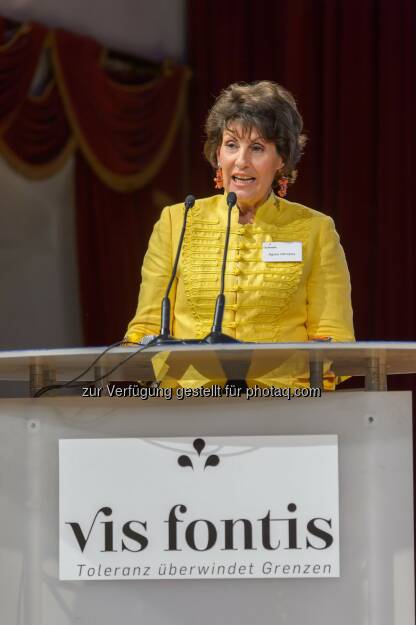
x: 266, y: 213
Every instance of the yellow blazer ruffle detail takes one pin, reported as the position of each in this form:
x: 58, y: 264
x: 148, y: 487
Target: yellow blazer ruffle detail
x: 257, y: 293
x: 265, y: 301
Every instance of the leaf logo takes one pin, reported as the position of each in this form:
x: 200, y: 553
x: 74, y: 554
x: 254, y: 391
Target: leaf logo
x: 199, y: 445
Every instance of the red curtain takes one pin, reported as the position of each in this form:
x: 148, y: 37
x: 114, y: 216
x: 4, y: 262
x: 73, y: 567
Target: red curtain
x: 130, y: 164
x: 351, y: 66
x: 112, y: 231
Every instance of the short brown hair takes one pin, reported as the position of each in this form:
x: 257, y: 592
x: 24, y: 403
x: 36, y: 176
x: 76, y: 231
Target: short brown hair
x: 266, y: 106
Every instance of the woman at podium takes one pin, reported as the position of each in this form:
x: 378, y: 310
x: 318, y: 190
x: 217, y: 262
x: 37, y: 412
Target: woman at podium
x: 286, y: 275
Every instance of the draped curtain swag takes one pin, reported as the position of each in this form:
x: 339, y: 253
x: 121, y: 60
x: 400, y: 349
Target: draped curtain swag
x: 129, y: 146
x: 125, y: 132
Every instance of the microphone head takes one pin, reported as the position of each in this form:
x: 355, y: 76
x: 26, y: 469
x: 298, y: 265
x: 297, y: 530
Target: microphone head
x: 189, y: 201
x: 231, y: 199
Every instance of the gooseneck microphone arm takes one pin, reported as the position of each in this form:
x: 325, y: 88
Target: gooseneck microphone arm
x: 216, y: 335
x: 220, y: 303
x: 164, y: 334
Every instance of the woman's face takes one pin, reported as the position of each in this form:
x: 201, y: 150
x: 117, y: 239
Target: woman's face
x: 249, y: 164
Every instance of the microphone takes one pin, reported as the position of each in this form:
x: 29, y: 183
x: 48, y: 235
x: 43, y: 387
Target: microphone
x: 216, y: 335
x: 164, y: 334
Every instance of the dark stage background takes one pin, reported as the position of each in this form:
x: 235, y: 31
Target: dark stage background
x: 351, y: 66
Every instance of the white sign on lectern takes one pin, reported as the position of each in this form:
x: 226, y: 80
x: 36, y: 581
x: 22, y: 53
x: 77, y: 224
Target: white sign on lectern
x: 199, y: 508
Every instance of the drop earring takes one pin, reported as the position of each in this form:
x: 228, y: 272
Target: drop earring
x: 219, y: 182
x: 283, y: 182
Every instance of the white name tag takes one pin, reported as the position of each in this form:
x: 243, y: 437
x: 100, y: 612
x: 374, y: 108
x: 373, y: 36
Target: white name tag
x: 282, y: 252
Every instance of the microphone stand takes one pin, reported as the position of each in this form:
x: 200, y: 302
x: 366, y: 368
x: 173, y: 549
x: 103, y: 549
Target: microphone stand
x: 216, y: 335
x: 164, y: 337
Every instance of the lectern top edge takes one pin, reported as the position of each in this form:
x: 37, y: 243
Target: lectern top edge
x: 307, y: 347
x: 373, y: 360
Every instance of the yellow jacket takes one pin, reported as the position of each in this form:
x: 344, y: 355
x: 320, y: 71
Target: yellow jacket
x: 265, y: 301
